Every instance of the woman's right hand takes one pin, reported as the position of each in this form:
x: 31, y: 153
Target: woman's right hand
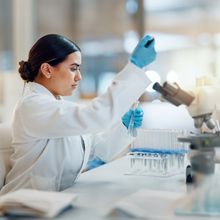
x: 144, y: 53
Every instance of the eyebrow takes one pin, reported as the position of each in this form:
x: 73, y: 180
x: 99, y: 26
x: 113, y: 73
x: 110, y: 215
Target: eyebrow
x: 75, y: 64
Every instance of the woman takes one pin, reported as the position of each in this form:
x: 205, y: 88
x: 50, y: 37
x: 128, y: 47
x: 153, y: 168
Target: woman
x: 53, y: 138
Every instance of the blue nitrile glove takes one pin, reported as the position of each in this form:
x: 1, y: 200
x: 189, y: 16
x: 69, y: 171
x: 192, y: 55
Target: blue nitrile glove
x: 138, y: 117
x: 144, y: 53
x: 94, y: 163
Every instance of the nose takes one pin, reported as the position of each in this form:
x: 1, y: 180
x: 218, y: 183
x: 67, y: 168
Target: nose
x: 78, y: 76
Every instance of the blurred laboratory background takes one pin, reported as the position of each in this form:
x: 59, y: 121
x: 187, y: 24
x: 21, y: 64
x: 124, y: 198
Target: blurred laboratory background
x: 186, y: 32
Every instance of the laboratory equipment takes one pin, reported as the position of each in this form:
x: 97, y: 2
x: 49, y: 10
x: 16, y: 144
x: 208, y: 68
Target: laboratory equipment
x: 203, y: 200
x: 201, y: 105
x: 149, y: 42
x: 132, y: 130
x: 157, y: 152
x: 200, y: 110
x: 201, y: 144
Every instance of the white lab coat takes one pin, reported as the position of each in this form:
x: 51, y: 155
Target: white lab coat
x: 53, y: 139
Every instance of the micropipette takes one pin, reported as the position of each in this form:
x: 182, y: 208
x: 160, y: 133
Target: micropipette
x: 149, y: 42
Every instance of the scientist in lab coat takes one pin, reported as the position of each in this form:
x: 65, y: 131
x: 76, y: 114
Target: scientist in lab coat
x: 52, y: 138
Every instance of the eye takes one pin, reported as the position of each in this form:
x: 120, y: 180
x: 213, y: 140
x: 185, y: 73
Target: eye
x: 75, y: 68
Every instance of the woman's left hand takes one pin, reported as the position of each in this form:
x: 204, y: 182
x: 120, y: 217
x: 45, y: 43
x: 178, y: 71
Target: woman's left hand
x: 138, y: 115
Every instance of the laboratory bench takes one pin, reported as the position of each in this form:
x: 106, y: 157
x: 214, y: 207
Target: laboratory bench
x: 101, y: 188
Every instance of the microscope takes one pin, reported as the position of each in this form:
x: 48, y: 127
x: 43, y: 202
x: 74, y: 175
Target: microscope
x: 200, y: 105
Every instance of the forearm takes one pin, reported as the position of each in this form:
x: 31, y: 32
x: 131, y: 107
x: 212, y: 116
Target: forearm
x: 113, y: 142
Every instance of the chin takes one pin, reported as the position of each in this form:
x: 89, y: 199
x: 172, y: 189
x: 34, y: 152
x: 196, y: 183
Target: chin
x: 68, y: 93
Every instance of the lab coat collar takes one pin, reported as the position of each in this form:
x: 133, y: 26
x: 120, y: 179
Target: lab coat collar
x: 38, y: 88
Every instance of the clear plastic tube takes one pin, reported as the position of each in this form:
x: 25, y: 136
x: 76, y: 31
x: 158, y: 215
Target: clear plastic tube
x: 157, y: 152
x: 131, y: 129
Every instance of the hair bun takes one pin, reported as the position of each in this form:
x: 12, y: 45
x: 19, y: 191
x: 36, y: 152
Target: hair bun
x: 25, y: 71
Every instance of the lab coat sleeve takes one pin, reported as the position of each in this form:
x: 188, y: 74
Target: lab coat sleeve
x: 51, y: 118
x: 107, y: 145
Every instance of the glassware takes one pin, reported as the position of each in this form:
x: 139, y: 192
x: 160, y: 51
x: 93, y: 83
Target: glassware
x: 131, y: 129
x: 204, y: 200
x: 157, y: 152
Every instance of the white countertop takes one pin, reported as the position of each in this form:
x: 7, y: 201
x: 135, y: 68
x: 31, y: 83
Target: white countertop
x: 99, y: 189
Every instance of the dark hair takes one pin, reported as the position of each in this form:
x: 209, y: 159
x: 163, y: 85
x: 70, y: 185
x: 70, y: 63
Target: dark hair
x: 52, y: 49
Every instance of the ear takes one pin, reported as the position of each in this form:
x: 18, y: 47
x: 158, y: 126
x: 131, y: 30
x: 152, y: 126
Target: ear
x: 46, y: 70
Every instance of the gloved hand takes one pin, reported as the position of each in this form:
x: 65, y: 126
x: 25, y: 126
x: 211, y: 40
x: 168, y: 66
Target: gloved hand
x: 138, y: 117
x: 96, y: 162
x: 144, y: 53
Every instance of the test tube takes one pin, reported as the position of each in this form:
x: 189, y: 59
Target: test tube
x: 158, y: 152
x: 131, y: 129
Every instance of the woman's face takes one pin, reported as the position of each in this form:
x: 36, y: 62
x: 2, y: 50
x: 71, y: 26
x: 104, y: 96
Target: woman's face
x: 65, y: 76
